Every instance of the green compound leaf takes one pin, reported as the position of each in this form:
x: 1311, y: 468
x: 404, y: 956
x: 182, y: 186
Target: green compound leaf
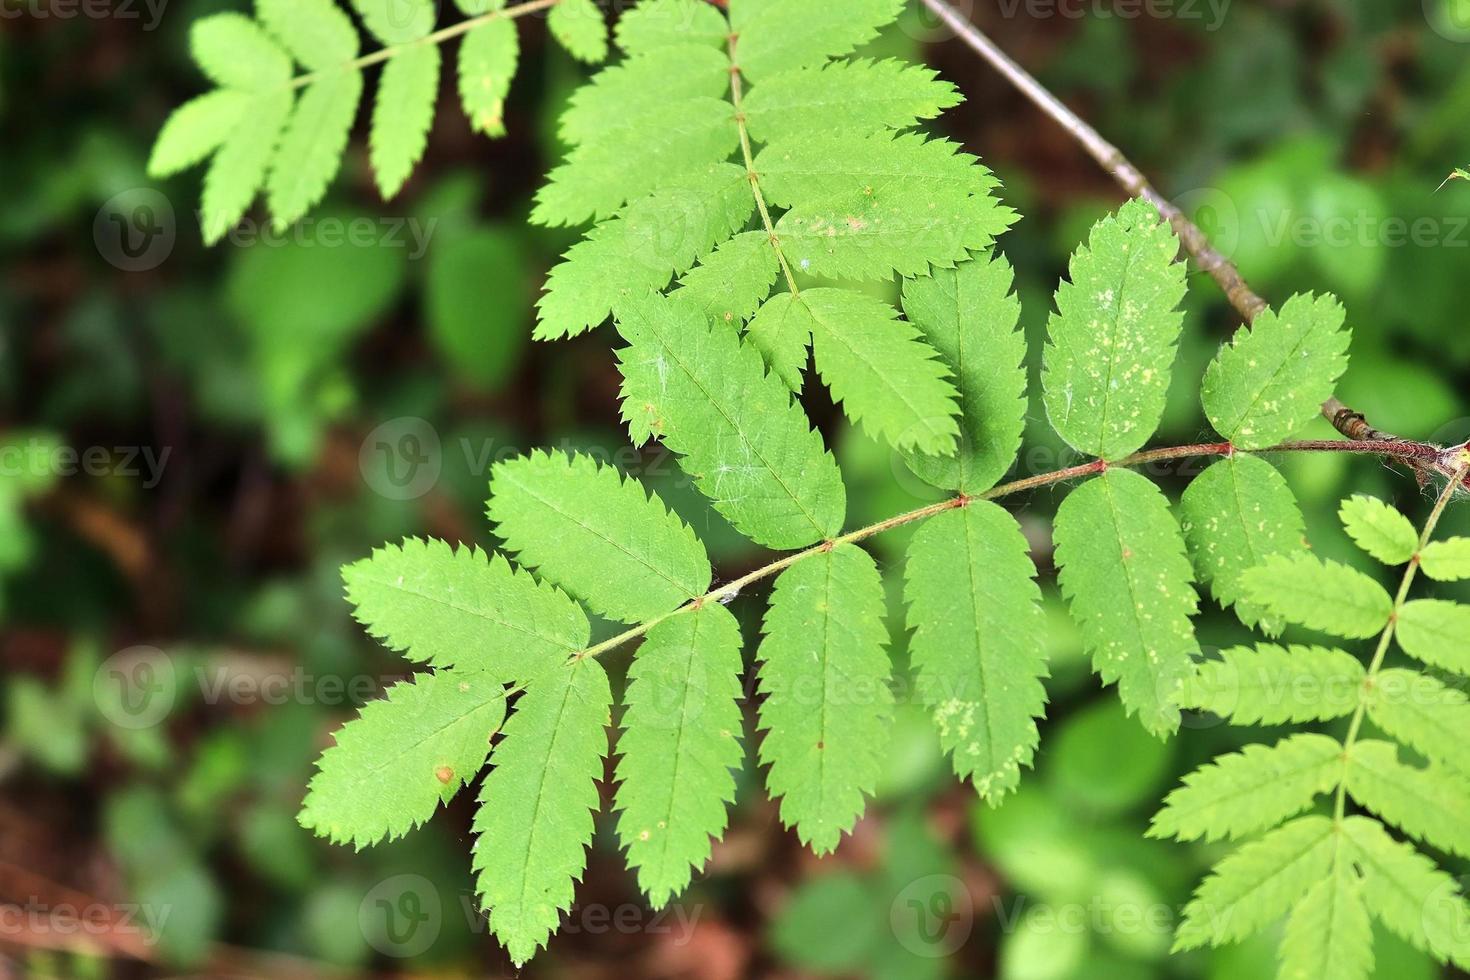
x: 898, y: 228
x: 975, y: 611
x: 1236, y: 514
x: 195, y: 130
x: 1111, y: 341
x: 596, y: 534
x: 488, y: 57
x: 1378, y: 529
x: 234, y: 52
x: 402, y: 113
x: 1435, y: 631
x: 1258, y: 883
x: 578, y: 26
x: 778, y: 35
x: 623, y: 96
x: 885, y: 378
x: 1415, y: 900
x: 405, y: 754
x: 1250, y: 790
x: 640, y: 250
x: 969, y: 315
x: 1317, y: 594
x: 1273, y: 377
x: 536, y: 805
x: 730, y: 283
x: 748, y: 447
x: 238, y: 170
x: 1447, y: 560
x: 397, y: 21
x: 857, y: 97
x: 311, y: 149
x: 621, y: 165
x: 827, y: 708
x: 1124, y: 571
x: 1430, y: 804
x: 1424, y: 714
x: 655, y: 24
x: 445, y: 607
x: 680, y: 741
x: 1328, y: 933
x: 318, y: 33
x: 1273, y: 685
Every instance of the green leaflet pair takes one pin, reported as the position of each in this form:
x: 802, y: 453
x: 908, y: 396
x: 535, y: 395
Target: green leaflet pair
x: 260, y: 136
x: 749, y: 152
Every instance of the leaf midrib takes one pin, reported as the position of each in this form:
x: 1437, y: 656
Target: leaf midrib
x: 543, y: 771
x: 898, y: 390
x: 1245, y: 413
x: 1102, y: 428
x: 738, y: 430
x: 557, y: 642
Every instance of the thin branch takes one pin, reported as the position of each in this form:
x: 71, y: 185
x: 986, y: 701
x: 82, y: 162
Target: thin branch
x: 437, y: 37
x: 1195, y: 242
x: 1394, y: 449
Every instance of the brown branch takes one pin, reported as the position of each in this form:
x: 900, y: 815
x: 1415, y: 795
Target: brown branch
x: 1194, y: 241
x: 1400, y: 450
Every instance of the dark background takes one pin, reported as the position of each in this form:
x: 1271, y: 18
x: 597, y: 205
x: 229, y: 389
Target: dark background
x: 196, y: 439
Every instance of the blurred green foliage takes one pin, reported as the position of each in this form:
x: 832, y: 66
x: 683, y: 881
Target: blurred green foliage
x: 1307, y: 139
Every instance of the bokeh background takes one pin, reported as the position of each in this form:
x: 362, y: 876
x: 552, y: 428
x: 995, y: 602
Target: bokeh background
x: 195, y: 440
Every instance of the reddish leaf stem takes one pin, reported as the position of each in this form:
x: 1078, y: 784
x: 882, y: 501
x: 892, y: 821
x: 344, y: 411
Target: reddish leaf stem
x: 1391, y: 449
